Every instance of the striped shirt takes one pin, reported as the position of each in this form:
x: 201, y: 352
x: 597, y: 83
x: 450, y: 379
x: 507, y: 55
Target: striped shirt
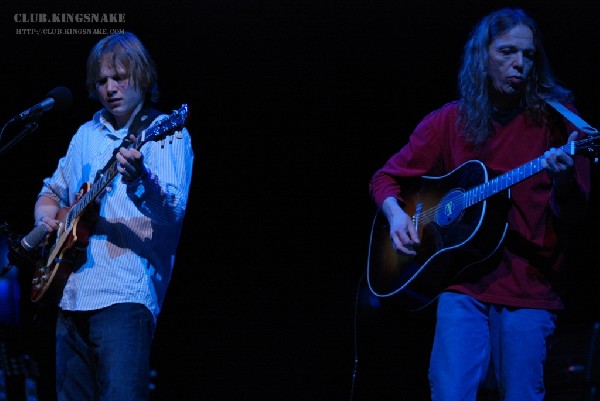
x: 131, y: 251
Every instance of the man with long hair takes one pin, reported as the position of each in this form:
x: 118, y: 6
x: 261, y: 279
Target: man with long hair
x: 504, y: 310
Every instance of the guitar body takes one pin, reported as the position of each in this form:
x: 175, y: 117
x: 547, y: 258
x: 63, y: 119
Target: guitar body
x: 49, y: 279
x: 454, y: 237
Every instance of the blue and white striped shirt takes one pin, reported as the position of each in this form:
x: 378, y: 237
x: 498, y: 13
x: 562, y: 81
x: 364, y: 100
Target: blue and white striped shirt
x: 131, y: 252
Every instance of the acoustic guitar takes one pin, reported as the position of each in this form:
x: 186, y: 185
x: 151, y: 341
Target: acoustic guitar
x: 461, y: 219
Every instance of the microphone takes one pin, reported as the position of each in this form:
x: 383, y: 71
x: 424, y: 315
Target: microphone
x: 59, y: 98
x: 23, y: 253
x: 34, y: 238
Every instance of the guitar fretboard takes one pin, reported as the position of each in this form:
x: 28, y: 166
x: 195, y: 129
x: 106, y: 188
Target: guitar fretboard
x: 510, y: 178
x: 90, y: 195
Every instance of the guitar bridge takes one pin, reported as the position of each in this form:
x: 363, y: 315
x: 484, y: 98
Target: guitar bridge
x: 417, y: 216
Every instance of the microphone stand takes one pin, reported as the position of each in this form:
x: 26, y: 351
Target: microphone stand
x: 28, y: 129
x: 31, y: 126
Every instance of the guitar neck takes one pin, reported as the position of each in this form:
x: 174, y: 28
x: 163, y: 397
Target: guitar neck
x: 96, y: 188
x: 508, y: 179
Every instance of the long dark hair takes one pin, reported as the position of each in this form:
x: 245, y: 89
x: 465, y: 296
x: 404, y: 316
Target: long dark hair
x: 475, y: 117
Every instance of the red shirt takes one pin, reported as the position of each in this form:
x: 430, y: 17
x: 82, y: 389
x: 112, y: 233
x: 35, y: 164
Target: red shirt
x: 436, y: 148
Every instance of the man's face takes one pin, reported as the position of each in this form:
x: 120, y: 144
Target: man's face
x: 511, y: 60
x: 117, y: 91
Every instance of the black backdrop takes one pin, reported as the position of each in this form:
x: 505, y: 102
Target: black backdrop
x: 293, y: 106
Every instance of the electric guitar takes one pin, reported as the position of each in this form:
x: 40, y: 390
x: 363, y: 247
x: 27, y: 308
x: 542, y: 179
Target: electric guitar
x: 461, y: 219
x: 49, y: 278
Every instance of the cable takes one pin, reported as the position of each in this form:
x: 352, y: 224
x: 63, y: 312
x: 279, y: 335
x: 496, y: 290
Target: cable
x: 356, y: 305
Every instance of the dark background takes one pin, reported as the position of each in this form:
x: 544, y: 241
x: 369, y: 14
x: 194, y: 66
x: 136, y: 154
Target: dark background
x: 293, y: 106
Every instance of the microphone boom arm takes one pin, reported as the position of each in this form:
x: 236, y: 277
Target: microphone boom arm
x: 28, y: 129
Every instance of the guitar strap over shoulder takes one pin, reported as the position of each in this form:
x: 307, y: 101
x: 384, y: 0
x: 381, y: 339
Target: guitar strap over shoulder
x: 142, y: 120
x: 572, y: 117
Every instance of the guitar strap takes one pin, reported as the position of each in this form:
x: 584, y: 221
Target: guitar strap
x: 572, y: 117
x: 142, y: 120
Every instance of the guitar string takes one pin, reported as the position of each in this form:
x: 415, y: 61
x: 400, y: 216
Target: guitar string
x: 428, y: 215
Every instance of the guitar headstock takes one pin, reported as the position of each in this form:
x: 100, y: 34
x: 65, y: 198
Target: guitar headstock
x: 588, y: 146
x: 165, y: 127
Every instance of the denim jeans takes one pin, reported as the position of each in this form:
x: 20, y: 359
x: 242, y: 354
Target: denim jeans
x: 104, y: 355
x: 469, y: 334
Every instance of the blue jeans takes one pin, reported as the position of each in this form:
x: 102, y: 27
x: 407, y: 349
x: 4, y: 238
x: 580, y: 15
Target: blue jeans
x: 469, y: 334
x: 104, y: 355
